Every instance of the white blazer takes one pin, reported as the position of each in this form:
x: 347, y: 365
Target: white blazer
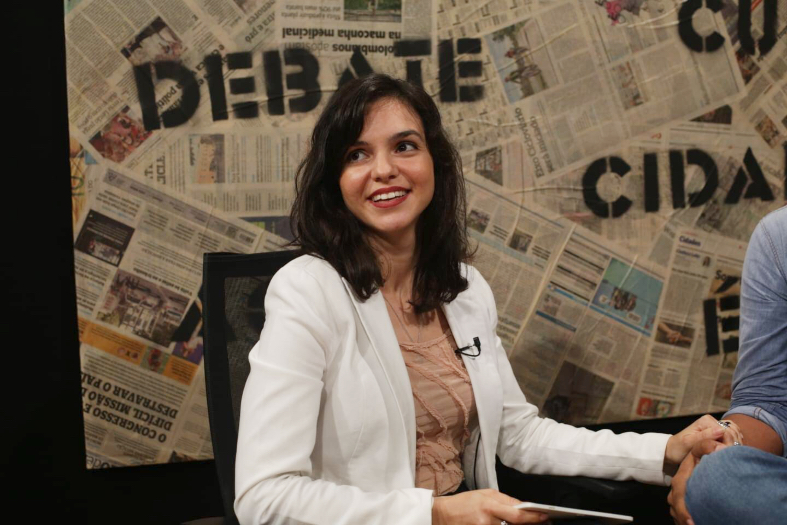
x: 327, y: 425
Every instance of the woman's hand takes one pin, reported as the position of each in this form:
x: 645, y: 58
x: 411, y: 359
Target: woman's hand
x: 706, y: 427
x: 677, y: 495
x: 481, y: 507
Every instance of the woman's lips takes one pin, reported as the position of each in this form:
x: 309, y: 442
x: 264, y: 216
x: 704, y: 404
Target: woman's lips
x: 389, y: 203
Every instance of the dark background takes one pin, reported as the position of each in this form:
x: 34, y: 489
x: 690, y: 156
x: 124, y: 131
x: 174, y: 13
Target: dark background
x: 44, y: 459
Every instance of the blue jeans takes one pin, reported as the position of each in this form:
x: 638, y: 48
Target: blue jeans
x: 738, y: 485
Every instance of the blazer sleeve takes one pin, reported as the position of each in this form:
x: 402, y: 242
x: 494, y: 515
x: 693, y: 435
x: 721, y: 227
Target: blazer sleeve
x: 537, y: 445
x: 279, y: 419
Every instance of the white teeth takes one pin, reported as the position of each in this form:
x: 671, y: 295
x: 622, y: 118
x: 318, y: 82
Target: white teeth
x: 388, y: 196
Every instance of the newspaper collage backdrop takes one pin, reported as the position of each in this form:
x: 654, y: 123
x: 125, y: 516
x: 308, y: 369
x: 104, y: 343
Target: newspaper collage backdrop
x: 618, y: 155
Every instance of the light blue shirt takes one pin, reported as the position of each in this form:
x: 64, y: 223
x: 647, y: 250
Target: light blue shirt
x: 760, y: 381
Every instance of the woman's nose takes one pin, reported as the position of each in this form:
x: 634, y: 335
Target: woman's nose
x: 384, y: 168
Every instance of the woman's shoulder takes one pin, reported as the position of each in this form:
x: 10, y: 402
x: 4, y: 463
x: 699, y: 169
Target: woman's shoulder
x: 308, y: 283
x: 473, y: 276
x: 308, y: 269
x: 476, y: 284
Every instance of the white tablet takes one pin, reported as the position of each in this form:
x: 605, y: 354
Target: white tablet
x: 557, y: 513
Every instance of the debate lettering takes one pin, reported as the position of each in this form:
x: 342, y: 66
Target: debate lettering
x: 305, y: 80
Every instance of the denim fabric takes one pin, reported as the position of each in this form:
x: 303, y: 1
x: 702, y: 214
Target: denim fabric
x: 738, y: 485
x: 760, y: 381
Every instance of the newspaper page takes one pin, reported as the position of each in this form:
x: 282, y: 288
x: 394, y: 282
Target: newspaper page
x: 634, y: 231
x: 740, y: 160
x: 105, y: 40
x: 85, y: 171
x: 357, y: 35
x: 580, y: 354
x: 689, y: 366
x: 769, y: 115
x: 465, y: 18
x: 247, y: 174
x: 516, y: 246
x: 578, y: 83
x: 138, y: 259
x: 759, y: 71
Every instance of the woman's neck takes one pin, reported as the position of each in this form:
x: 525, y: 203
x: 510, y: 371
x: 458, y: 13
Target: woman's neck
x: 397, y: 263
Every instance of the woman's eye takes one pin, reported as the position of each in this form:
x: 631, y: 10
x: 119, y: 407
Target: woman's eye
x: 355, y: 156
x: 406, y: 146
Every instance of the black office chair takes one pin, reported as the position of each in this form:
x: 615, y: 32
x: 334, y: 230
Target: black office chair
x: 233, y: 288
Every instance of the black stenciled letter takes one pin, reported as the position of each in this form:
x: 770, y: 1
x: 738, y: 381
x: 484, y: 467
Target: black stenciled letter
x: 359, y: 63
x: 651, y: 172
x: 690, y: 37
x: 305, y: 79
x: 590, y: 179
x: 413, y: 48
x: 467, y: 69
x: 677, y: 177
x: 189, y: 100
x: 215, y: 78
x: 470, y: 68
x: 445, y: 57
x: 706, y: 162
x: 242, y: 85
x: 759, y: 186
x: 769, y: 15
x: 274, y: 87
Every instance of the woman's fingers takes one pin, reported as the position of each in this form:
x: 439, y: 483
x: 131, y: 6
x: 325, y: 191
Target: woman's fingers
x: 715, y: 433
x: 505, y: 510
x: 706, y: 427
x: 732, y: 434
x: 731, y: 431
x: 486, y: 506
x: 512, y: 515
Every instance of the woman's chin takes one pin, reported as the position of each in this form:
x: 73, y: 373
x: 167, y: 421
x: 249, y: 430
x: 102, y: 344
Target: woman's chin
x: 393, y: 233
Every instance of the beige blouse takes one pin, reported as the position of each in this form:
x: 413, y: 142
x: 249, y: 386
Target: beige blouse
x: 444, y: 411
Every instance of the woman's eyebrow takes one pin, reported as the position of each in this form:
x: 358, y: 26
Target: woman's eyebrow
x: 395, y: 136
x: 406, y: 133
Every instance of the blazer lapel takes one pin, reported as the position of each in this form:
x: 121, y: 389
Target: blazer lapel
x: 377, y: 325
x: 466, y: 319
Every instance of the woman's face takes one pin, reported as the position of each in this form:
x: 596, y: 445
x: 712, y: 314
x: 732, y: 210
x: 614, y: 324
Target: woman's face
x: 388, y: 174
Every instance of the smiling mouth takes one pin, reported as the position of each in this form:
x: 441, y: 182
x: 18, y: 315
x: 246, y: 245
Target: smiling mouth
x: 383, y: 197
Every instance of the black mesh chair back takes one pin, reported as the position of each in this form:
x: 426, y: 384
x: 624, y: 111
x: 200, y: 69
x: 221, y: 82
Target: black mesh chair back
x: 233, y: 293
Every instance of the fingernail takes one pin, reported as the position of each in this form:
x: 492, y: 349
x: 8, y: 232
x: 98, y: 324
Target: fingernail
x: 689, y: 522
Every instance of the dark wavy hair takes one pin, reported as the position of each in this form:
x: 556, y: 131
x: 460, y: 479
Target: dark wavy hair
x: 324, y: 226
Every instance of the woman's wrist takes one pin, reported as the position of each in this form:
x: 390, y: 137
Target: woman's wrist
x: 670, y: 467
x: 669, y: 452
x: 436, y: 511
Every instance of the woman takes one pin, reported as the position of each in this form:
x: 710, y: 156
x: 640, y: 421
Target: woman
x: 358, y: 408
